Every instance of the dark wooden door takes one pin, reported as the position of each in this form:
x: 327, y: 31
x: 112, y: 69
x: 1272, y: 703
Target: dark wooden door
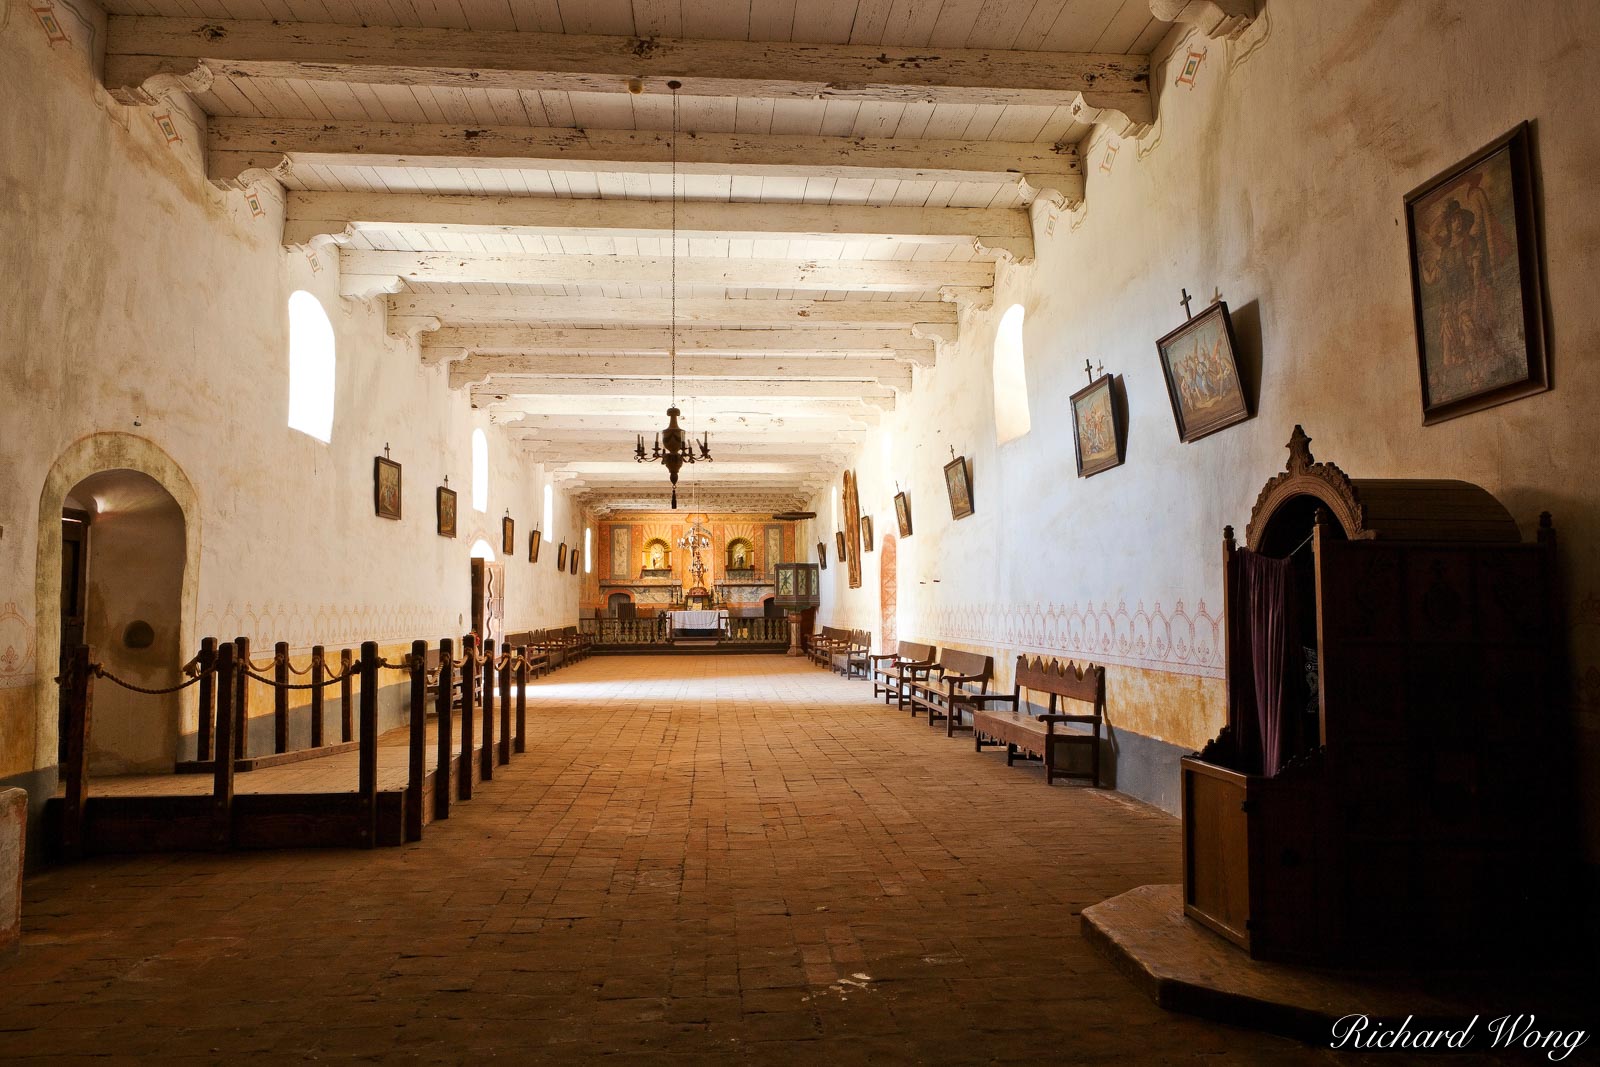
x: 74, y: 582
x: 489, y: 600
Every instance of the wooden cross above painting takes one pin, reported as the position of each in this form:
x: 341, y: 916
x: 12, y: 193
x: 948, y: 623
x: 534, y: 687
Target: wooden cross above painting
x: 1202, y: 374
x: 1476, y: 284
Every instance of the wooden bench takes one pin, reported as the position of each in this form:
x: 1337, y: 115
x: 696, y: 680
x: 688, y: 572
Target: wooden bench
x: 950, y: 686
x: 822, y: 645
x: 552, y: 647
x: 1036, y: 735
x: 853, y: 655
x: 538, y: 662
x: 888, y: 669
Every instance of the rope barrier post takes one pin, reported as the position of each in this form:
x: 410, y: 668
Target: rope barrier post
x: 316, y: 696
x: 486, y: 759
x: 368, y: 782
x: 241, y: 700
x: 222, y: 767
x: 505, y: 704
x: 419, y: 739
x: 445, y: 699
x: 80, y: 698
x: 208, y: 698
x: 280, y: 697
x: 347, y: 696
x: 522, y: 699
x: 469, y: 701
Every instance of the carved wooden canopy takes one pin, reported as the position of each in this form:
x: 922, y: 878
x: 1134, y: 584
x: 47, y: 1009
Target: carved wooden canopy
x: 1306, y: 477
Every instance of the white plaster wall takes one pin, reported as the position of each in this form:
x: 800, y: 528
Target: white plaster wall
x: 135, y: 297
x: 1278, y: 178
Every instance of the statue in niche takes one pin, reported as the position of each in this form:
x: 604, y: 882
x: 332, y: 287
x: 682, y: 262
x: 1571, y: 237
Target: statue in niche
x: 656, y: 556
x: 741, y: 555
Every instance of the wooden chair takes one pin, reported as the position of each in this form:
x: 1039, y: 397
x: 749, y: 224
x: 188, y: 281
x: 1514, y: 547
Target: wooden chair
x: 823, y: 645
x: 852, y: 656
x: 1036, y: 735
x: 888, y: 677
x: 944, y: 689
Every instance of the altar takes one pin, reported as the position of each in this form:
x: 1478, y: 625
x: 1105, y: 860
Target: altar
x: 698, y: 623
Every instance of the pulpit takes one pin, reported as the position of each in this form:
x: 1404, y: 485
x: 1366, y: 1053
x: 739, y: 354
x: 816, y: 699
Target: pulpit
x: 799, y: 589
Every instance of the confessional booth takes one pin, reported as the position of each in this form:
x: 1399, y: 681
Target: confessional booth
x: 1390, y: 787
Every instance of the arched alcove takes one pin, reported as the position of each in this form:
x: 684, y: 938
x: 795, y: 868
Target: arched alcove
x: 86, y: 457
x: 131, y: 576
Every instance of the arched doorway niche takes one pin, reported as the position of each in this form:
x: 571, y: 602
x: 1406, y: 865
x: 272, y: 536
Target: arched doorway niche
x: 144, y: 501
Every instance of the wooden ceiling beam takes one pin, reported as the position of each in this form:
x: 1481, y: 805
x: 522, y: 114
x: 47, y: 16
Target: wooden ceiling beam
x: 239, y: 150
x: 148, y: 56
x: 412, y: 310
x: 512, y: 369
x: 364, y: 273
x: 514, y: 395
x: 898, y: 344
x: 312, y: 218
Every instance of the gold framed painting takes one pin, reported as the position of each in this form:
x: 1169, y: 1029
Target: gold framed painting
x: 508, y: 536
x: 1477, y: 287
x: 533, y: 546
x: 385, y: 487
x: 866, y: 533
x: 1096, y: 430
x: 561, y: 556
x: 840, y: 546
x: 822, y: 555
x: 958, y: 484
x: 1202, y: 374
x: 902, y: 513
x: 444, y: 506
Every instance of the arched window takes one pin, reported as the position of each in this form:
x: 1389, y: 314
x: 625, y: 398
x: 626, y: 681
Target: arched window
x: 480, y: 471
x: 311, y: 367
x: 588, y: 543
x: 481, y: 549
x: 549, y: 513
x: 1011, y: 419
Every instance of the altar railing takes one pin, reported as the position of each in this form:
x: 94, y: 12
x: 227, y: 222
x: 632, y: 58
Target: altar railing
x: 654, y: 630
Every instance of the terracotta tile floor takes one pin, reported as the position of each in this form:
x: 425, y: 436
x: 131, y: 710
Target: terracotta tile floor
x: 699, y: 860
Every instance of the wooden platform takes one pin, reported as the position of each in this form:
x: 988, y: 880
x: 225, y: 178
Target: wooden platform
x: 1184, y: 967
x: 696, y: 646
x: 297, y: 804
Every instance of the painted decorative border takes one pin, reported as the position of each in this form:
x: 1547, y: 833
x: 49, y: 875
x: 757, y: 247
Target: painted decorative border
x: 1176, y: 641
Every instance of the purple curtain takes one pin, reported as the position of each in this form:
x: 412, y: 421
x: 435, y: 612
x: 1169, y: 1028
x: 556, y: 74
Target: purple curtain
x: 1266, y: 663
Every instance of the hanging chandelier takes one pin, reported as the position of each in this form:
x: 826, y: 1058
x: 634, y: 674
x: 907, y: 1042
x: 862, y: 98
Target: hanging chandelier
x: 674, y: 446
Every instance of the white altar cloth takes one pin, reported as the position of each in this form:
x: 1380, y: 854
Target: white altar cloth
x: 697, y: 620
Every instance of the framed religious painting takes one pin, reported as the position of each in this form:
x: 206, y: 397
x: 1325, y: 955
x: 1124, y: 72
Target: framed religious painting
x: 958, y: 483
x: 1477, y: 288
x: 1202, y: 374
x: 561, y: 556
x: 386, y: 487
x: 572, y: 560
x: 839, y: 544
x: 444, y: 506
x: 508, y: 536
x: 533, y: 546
x: 902, y: 513
x: 1096, y: 431
x: 822, y: 555
x: 866, y: 533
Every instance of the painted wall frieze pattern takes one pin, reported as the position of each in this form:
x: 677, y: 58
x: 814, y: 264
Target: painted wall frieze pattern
x: 1177, y: 640
x: 331, y: 625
